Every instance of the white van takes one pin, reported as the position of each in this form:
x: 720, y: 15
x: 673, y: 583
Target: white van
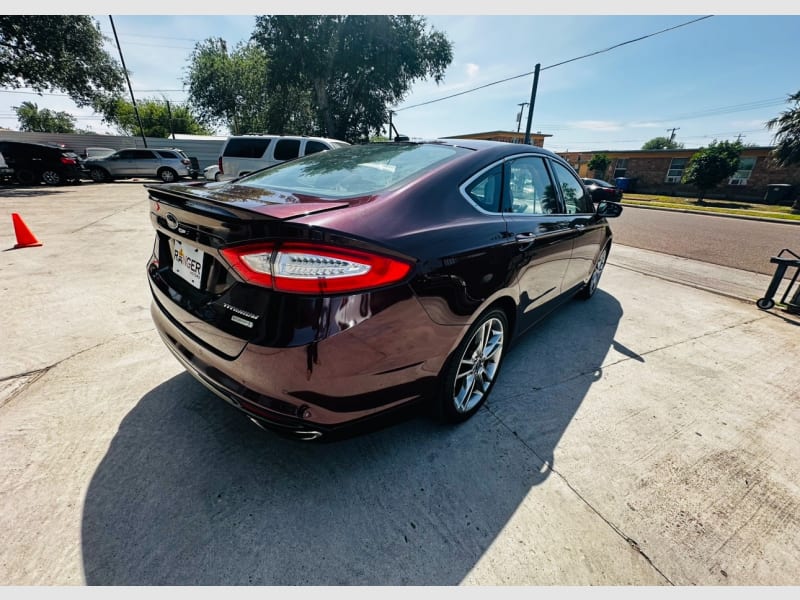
x: 243, y: 154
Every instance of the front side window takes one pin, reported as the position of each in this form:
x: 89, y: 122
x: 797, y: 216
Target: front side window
x: 675, y: 172
x: 575, y: 199
x: 531, y: 190
x: 313, y: 146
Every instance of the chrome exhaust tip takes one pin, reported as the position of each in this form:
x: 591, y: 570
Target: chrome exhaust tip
x: 301, y: 434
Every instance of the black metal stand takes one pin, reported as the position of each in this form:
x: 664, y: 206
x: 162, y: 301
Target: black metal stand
x: 792, y: 305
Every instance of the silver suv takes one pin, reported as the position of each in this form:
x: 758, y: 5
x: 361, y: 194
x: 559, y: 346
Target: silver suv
x: 167, y: 164
x: 243, y: 154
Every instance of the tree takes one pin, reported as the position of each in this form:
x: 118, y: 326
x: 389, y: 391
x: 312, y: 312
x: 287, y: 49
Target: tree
x: 45, y: 120
x: 233, y: 90
x: 159, y: 118
x: 661, y: 143
x: 355, y: 66
x: 708, y: 167
x: 599, y: 164
x: 64, y: 52
x: 787, y: 137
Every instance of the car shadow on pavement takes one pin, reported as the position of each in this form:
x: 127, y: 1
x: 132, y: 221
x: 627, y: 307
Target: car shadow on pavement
x: 191, y: 493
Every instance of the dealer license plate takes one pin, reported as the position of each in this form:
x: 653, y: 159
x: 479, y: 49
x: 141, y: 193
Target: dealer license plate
x: 187, y: 262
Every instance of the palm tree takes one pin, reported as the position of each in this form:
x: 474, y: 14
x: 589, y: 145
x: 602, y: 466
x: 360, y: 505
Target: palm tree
x: 787, y: 137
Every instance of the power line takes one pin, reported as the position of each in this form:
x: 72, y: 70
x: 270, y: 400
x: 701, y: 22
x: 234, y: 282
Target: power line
x: 564, y: 62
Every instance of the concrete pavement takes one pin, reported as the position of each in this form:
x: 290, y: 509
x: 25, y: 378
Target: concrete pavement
x: 646, y: 437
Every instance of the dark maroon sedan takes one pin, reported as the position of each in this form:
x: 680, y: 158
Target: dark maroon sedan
x: 330, y: 289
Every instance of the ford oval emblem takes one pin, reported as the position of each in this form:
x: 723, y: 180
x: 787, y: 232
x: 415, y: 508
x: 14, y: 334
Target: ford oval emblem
x: 172, y: 221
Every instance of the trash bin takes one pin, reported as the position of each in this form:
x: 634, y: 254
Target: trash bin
x: 778, y: 193
x: 622, y: 183
x: 632, y: 181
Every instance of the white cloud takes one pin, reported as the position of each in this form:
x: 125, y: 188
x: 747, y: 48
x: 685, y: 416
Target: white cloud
x: 596, y: 125
x: 646, y: 125
x: 472, y: 70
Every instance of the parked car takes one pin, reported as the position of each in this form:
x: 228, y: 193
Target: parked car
x: 167, y: 164
x: 339, y: 286
x: 34, y: 163
x: 243, y: 154
x: 211, y: 173
x: 602, y: 190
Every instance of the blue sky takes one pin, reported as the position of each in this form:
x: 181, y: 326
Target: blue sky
x: 713, y: 79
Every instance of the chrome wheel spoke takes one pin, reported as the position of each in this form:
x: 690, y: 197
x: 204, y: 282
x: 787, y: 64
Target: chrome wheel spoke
x: 478, y: 366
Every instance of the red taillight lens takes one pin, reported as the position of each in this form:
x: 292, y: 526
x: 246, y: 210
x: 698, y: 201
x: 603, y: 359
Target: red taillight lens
x: 305, y: 268
x: 67, y: 161
x: 219, y: 164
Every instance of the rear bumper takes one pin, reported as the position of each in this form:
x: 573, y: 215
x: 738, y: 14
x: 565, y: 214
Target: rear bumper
x: 386, y: 361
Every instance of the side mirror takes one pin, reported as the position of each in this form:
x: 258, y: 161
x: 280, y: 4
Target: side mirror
x: 609, y: 209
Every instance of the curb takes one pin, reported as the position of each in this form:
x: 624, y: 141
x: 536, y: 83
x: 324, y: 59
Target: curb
x: 713, y: 214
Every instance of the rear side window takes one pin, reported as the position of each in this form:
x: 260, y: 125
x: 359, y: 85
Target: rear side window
x: 166, y: 154
x: 246, y: 147
x: 485, y: 191
x: 287, y: 149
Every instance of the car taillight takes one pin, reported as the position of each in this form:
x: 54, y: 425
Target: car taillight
x: 67, y: 161
x: 304, y: 268
x: 219, y: 164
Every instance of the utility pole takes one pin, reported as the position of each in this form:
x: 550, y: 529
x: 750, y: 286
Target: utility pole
x: 128, y: 79
x: 522, y: 106
x: 533, y: 101
x: 672, y: 135
x: 739, y: 137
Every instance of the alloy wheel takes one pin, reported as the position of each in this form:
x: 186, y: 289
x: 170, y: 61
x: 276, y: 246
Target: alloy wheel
x: 478, y: 365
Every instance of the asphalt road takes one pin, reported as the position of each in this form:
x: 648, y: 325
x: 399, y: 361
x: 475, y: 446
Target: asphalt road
x: 738, y: 243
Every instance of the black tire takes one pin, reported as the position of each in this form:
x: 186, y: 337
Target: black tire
x: 51, y: 177
x: 216, y: 176
x: 99, y: 175
x: 765, y: 303
x: 473, y: 367
x: 167, y: 175
x: 25, y: 176
x: 588, y: 290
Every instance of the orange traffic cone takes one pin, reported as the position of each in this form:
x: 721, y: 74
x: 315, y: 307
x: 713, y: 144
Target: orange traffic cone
x: 24, y: 236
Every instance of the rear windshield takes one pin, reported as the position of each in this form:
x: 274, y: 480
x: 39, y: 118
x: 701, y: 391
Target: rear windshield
x: 354, y: 170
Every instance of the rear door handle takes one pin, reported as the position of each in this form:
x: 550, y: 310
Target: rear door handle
x: 578, y: 226
x: 525, y: 238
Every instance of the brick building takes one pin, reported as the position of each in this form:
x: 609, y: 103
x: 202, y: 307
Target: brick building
x: 660, y: 172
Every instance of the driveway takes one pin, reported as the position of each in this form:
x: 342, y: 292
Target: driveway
x: 659, y: 449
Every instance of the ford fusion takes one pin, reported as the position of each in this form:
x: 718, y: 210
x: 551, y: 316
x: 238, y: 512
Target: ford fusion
x: 328, y: 290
